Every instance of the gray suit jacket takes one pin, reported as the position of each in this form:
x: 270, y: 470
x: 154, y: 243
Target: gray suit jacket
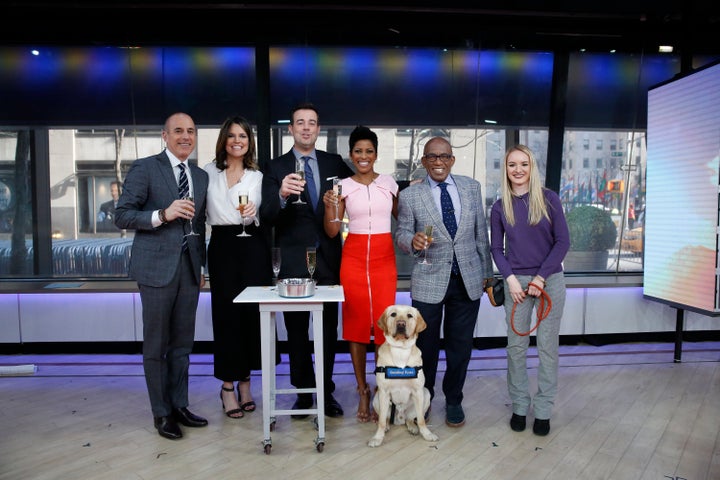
x: 150, y: 185
x: 416, y: 208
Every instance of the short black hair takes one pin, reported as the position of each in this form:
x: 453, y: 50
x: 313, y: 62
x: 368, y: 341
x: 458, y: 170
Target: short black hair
x: 362, y: 132
x: 303, y: 106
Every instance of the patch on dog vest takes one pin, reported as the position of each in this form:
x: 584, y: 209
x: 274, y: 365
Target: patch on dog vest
x: 399, y: 372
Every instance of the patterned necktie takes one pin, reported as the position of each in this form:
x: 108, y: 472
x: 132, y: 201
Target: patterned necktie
x: 183, y: 185
x: 448, y: 213
x: 183, y: 191
x: 310, y: 179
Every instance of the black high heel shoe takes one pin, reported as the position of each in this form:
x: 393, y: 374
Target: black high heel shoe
x: 235, y: 411
x: 247, y: 406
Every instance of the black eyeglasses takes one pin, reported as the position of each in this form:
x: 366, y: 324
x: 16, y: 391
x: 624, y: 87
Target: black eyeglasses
x: 443, y: 157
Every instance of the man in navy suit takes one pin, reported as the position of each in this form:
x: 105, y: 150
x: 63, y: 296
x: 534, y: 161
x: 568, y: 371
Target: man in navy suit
x: 166, y: 262
x: 106, y: 215
x: 298, y: 226
x: 446, y: 291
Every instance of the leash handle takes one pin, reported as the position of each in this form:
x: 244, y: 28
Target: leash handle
x: 543, y: 310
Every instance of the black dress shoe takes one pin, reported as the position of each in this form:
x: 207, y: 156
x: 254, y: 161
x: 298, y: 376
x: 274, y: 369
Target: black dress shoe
x: 517, y: 422
x: 167, y: 427
x: 332, y: 407
x: 187, y: 418
x: 541, y: 427
x: 304, y: 401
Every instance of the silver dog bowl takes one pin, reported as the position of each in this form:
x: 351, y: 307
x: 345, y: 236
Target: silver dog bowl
x: 296, y: 287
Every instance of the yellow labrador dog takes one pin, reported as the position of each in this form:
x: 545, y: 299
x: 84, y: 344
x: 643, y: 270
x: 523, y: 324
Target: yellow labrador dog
x: 399, y: 374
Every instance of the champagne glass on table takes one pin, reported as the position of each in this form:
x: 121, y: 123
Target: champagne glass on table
x: 192, y: 232
x: 337, y: 190
x: 428, y: 241
x: 276, y: 262
x: 242, y: 203
x: 300, y: 170
x: 311, y: 258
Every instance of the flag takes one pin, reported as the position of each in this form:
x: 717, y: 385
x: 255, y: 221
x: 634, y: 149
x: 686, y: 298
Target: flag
x: 602, y: 187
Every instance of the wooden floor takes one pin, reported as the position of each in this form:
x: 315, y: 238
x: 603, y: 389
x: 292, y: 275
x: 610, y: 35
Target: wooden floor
x: 625, y: 411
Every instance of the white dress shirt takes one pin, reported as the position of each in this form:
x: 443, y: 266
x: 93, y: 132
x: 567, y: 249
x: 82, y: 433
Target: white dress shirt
x: 222, y: 202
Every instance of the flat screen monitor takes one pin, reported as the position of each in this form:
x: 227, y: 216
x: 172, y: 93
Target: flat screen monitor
x: 683, y: 178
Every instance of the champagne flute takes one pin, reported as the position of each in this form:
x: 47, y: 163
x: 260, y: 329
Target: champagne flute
x: 428, y: 241
x: 300, y: 170
x: 276, y: 262
x: 192, y: 231
x: 311, y: 258
x: 337, y: 190
x: 242, y: 202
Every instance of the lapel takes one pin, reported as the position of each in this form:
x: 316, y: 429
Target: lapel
x: 465, y: 199
x: 167, y: 174
x: 427, y: 199
x: 198, y: 186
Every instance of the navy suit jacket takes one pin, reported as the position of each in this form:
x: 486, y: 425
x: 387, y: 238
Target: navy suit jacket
x: 150, y: 185
x: 299, y: 226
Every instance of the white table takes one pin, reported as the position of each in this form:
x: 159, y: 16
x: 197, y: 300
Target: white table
x: 270, y: 303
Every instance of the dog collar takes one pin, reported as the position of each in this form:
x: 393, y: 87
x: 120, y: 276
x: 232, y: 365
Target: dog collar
x: 399, y: 372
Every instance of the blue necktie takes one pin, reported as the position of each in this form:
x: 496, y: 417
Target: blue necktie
x: 310, y: 180
x: 183, y: 191
x: 448, y: 213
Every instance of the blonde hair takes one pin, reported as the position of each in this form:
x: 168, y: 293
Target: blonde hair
x: 536, y: 198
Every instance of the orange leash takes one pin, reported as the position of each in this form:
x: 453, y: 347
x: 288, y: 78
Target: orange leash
x: 543, y: 310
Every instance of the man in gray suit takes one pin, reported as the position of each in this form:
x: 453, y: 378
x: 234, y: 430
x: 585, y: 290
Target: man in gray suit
x: 451, y: 284
x: 163, y: 200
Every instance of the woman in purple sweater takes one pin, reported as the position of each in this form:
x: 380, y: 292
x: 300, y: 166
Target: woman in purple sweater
x: 529, y: 239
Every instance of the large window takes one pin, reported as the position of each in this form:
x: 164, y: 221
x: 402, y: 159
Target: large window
x: 74, y: 119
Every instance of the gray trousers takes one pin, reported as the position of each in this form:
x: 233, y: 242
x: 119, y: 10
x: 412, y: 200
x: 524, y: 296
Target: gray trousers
x: 548, y: 341
x: 168, y: 337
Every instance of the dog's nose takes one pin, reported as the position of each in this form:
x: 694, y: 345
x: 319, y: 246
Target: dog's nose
x: 400, y: 327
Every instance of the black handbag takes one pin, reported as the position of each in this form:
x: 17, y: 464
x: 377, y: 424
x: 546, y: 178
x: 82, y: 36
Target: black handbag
x: 495, y: 290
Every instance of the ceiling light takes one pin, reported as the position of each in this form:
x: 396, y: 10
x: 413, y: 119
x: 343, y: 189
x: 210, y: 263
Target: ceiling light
x: 665, y: 48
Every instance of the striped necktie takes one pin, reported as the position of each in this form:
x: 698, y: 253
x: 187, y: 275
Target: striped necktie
x: 183, y: 192
x: 183, y: 185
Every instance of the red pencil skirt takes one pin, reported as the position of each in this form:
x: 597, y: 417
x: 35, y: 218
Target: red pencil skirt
x: 368, y: 275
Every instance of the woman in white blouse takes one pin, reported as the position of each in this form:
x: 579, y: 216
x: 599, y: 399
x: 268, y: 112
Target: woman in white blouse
x: 235, y: 262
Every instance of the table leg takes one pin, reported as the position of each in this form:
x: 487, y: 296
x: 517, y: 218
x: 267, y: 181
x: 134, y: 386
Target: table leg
x: 267, y: 338
x: 317, y: 320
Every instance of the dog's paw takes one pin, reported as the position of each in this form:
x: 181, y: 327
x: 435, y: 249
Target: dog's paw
x: 375, y: 441
x: 412, y: 427
x: 428, y: 435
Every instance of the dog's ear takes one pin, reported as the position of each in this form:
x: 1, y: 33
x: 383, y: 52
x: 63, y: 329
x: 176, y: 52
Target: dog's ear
x: 420, y: 324
x: 382, y: 321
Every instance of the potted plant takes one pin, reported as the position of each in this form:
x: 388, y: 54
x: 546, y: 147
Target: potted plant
x: 592, y: 234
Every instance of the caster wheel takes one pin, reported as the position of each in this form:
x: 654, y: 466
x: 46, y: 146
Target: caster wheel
x: 268, y: 448
x: 272, y: 427
x: 320, y: 447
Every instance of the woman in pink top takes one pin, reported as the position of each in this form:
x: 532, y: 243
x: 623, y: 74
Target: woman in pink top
x: 367, y: 272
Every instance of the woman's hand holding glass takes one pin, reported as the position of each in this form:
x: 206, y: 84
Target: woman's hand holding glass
x: 243, y: 208
x: 337, y: 190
